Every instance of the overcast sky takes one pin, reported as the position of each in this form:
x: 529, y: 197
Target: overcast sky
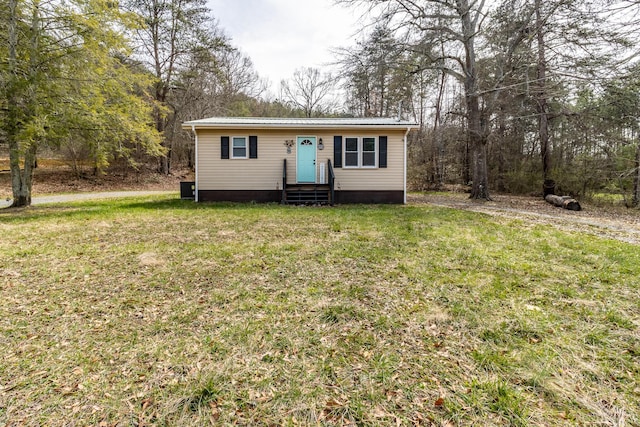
x: 281, y: 36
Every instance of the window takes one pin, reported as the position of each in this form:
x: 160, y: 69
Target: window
x: 351, y: 152
x: 239, y: 147
x: 360, y: 152
x: 368, y: 152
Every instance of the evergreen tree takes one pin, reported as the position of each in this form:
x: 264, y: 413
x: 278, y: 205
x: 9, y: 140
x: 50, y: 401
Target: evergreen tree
x: 67, y: 77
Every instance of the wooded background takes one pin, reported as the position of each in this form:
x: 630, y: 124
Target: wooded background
x: 507, y: 94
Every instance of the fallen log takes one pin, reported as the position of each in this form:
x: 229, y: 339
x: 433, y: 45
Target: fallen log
x: 565, y: 202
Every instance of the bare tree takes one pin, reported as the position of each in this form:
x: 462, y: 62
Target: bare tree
x: 456, y: 23
x: 309, y: 91
x: 172, y: 31
x: 212, y: 83
x: 375, y: 75
x: 569, y: 41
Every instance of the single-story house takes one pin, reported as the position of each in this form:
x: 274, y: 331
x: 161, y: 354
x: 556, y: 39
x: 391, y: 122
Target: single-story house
x: 296, y: 160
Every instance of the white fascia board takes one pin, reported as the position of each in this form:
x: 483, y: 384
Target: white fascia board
x: 257, y: 123
x: 296, y: 126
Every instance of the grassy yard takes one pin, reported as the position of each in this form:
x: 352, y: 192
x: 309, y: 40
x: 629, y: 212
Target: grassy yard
x: 164, y: 312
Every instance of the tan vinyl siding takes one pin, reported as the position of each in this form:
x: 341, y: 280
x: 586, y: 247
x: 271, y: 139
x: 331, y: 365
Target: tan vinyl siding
x: 265, y: 172
x: 374, y: 179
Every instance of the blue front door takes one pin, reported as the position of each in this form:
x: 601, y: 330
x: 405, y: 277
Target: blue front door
x: 306, y: 159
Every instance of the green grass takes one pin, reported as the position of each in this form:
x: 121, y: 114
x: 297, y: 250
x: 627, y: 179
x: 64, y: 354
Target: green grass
x: 164, y: 312
x: 607, y: 199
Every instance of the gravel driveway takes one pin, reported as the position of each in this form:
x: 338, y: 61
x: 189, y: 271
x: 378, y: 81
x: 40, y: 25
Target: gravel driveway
x: 75, y: 197
x: 619, y: 224
x: 614, y: 225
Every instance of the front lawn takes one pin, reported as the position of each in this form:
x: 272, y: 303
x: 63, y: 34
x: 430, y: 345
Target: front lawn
x: 164, y: 312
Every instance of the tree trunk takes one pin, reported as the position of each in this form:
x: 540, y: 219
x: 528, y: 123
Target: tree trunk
x: 164, y: 166
x: 478, y: 143
x: 635, y: 200
x: 438, y: 154
x: 548, y: 187
x: 20, y: 109
x: 466, y: 156
x: 542, y: 106
x: 164, y: 163
x: 477, y: 140
x: 20, y: 180
x: 480, y: 187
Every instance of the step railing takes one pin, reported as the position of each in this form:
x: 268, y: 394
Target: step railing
x: 301, y: 196
x: 332, y: 181
x: 284, y: 182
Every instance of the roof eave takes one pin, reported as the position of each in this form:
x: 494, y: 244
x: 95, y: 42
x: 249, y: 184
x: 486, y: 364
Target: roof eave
x: 210, y: 126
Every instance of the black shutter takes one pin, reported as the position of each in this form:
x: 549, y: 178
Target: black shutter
x: 224, y: 147
x: 382, y: 151
x: 337, y: 151
x: 253, y: 147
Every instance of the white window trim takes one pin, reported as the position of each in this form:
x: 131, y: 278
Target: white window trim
x: 246, y: 147
x: 360, y: 153
x: 344, y: 153
x: 375, y: 152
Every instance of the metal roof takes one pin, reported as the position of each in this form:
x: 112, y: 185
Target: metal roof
x: 278, y: 122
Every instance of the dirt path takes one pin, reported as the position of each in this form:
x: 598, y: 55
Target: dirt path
x: 614, y: 223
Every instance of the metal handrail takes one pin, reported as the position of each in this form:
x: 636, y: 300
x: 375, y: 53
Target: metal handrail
x: 332, y: 179
x: 284, y: 181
